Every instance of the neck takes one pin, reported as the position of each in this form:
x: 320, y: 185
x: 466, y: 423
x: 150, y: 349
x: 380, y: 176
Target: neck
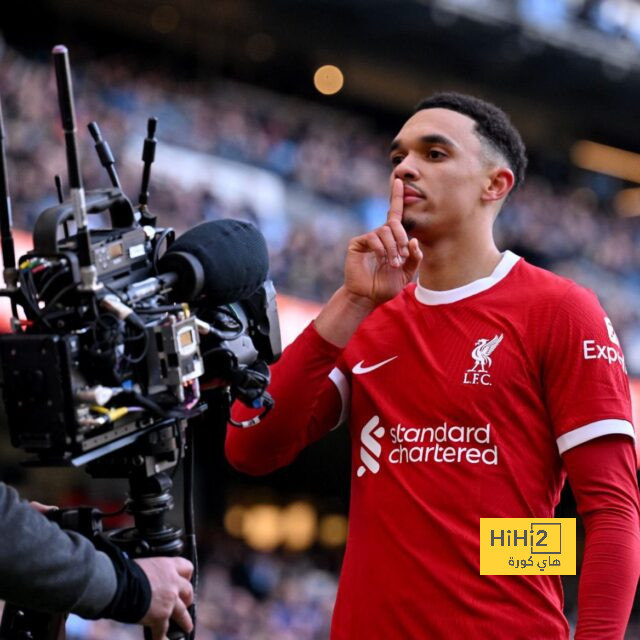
x: 448, y: 264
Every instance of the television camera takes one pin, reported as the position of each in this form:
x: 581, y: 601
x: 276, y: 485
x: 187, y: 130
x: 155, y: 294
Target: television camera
x: 113, y: 331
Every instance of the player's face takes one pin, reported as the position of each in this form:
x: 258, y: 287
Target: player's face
x: 442, y: 163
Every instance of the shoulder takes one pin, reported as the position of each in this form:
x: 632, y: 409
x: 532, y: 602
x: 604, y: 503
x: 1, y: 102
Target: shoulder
x: 552, y: 294
x: 566, y: 317
x: 541, y: 282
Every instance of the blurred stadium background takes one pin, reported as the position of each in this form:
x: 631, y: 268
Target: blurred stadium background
x: 253, y: 124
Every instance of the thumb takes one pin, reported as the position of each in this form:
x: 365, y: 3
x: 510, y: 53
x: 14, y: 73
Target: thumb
x: 43, y: 508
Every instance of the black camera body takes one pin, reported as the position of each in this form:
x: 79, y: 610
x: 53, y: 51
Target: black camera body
x: 112, y: 332
x: 107, y: 323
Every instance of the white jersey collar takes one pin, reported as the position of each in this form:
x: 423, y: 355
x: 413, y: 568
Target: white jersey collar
x: 428, y: 296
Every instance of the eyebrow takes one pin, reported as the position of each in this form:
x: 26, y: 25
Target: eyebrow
x: 434, y: 138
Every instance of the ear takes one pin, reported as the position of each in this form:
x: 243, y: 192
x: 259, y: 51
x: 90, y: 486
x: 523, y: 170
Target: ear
x: 499, y: 182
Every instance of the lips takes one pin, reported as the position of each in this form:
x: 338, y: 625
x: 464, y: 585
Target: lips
x: 411, y: 194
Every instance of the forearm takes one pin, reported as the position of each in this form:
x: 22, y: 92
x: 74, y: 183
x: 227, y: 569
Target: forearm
x: 42, y: 565
x: 306, y: 406
x: 341, y: 316
x: 608, y: 578
x: 603, y: 477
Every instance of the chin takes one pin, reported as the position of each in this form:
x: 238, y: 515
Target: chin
x: 409, y: 224
x: 426, y: 231
x: 416, y: 225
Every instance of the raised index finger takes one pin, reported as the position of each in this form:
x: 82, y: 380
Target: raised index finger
x: 396, y: 205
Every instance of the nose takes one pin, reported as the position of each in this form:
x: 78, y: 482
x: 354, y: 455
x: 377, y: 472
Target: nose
x: 406, y: 169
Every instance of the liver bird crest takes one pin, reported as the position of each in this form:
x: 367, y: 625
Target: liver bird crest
x: 482, y: 352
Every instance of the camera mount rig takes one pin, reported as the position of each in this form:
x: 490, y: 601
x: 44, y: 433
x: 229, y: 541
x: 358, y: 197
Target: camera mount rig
x: 110, y: 338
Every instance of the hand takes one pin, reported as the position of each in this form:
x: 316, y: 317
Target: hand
x: 171, y: 594
x: 43, y: 508
x: 381, y: 263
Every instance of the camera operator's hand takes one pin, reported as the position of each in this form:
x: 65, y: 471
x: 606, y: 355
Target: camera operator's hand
x: 42, y: 508
x: 171, y: 594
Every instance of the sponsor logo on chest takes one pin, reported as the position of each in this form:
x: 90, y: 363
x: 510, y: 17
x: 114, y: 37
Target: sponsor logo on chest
x: 444, y: 443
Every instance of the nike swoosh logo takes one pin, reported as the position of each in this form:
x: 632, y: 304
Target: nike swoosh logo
x: 359, y: 369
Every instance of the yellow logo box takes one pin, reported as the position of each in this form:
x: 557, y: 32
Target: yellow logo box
x: 527, y: 546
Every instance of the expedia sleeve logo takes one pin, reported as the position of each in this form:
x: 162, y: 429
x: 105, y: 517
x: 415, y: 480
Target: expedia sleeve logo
x: 593, y: 350
x: 613, y: 336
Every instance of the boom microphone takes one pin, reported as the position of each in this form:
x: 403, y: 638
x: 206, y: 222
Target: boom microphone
x: 233, y: 255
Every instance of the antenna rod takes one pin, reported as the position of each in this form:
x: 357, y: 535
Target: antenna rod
x: 6, y: 238
x: 68, y: 117
x: 104, y: 154
x: 148, y: 156
x: 58, y: 182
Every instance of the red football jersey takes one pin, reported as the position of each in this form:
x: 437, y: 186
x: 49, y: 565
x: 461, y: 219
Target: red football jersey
x: 460, y: 404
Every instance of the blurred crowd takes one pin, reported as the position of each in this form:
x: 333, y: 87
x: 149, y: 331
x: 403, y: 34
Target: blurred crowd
x: 331, y: 165
x: 613, y: 18
x: 334, y: 174
x: 618, y: 18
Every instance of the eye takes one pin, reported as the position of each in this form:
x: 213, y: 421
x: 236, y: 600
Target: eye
x: 396, y: 160
x: 436, y: 154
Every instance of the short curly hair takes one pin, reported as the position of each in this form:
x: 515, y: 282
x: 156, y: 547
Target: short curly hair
x: 492, y: 125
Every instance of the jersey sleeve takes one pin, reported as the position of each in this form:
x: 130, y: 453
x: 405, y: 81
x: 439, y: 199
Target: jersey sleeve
x: 309, y: 391
x: 602, y: 474
x: 585, y: 381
